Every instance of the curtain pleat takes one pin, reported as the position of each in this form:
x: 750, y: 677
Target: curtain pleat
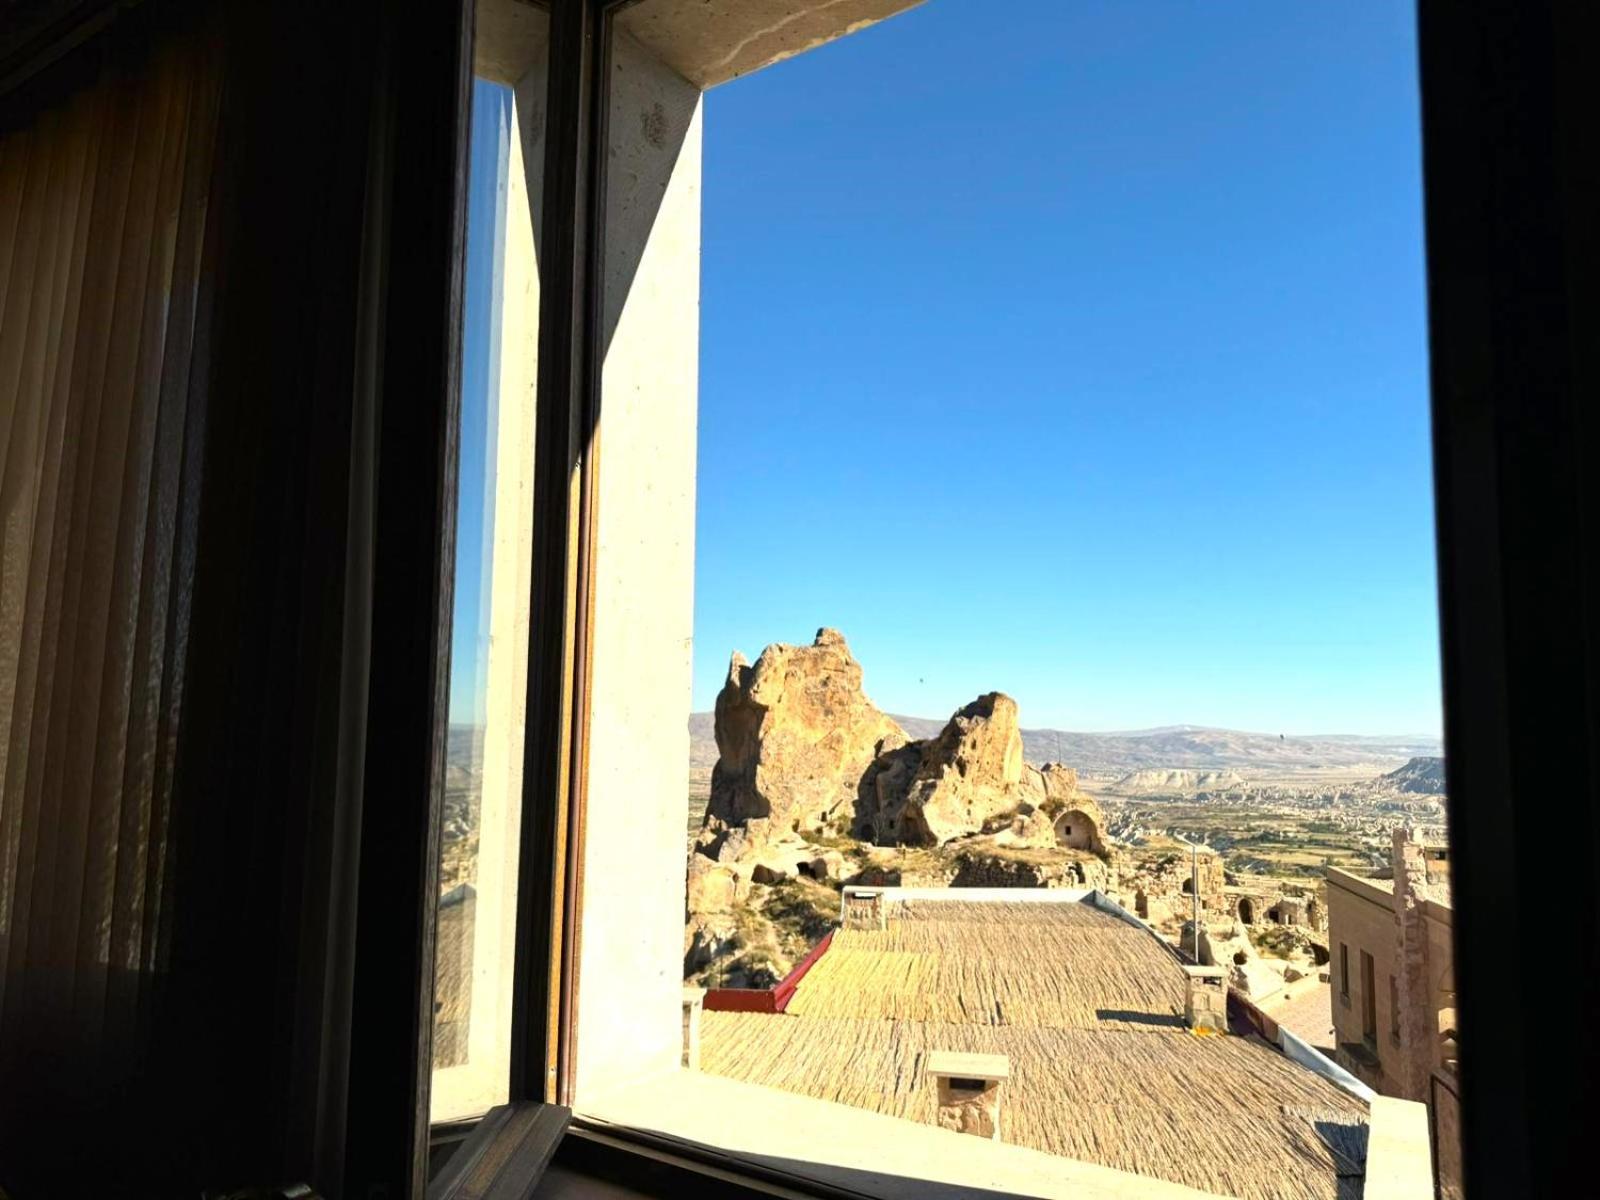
x: 103, y: 224
x: 227, y: 281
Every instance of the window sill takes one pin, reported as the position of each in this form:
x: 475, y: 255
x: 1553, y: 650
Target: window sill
x: 840, y: 1147
x: 504, y: 1154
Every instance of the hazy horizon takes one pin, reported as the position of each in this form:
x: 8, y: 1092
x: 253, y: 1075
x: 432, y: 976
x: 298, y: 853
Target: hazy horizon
x: 1026, y: 727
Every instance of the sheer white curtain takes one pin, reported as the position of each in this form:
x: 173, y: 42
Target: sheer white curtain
x: 103, y: 211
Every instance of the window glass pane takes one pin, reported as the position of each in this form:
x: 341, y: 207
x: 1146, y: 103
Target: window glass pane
x: 489, y: 643
x: 1014, y: 478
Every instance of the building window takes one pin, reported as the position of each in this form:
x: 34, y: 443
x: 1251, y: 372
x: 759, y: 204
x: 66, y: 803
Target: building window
x: 1369, y: 999
x: 1394, y: 1010
x: 1344, y: 972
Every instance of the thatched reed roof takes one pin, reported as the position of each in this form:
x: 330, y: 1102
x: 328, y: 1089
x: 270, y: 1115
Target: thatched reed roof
x: 1057, y: 965
x: 1089, y: 1011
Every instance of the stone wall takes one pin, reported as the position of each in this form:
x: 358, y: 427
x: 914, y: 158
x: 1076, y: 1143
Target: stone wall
x: 1407, y: 931
x: 975, y: 869
x: 1360, y: 918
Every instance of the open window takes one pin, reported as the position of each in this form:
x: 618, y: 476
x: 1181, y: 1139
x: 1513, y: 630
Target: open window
x: 481, y: 835
x: 841, y: 878
x: 339, y: 344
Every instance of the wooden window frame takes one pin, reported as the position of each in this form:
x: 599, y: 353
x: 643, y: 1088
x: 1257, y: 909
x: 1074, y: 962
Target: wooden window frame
x: 510, y: 1146
x: 1509, y: 189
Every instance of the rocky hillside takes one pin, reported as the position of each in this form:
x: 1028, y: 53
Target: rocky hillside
x: 1153, y: 780
x: 810, y: 778
x: 1424, y: 775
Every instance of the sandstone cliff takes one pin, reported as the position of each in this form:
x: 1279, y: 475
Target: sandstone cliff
x: 801, y: 749
x: 814, y: 786
x: 926, y: 793
x: 795, y: 734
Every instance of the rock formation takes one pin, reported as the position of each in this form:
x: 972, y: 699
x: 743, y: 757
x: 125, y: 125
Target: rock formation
x: 803, y: 756
x: 795, y: 734
x: 1059, y: 784
x: 1420, y: 775
x: 1176, y: 782
x: 926, y: 793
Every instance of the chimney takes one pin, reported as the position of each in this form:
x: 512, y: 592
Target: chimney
x: 862, y: 908
x: 693, y: 1003
x: 1205, y: 999
x: 968, y: 1088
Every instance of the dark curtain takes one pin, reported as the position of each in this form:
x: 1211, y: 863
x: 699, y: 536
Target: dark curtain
x: 105, y: 213
x: 228, y: 324
x: 1512, y: 186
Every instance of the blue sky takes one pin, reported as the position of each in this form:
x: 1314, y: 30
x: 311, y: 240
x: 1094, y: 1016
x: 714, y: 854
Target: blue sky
x: 480, y: 370
x: 1079, y: 355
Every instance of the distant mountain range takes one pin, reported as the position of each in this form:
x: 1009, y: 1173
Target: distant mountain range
x: 1171, y: 747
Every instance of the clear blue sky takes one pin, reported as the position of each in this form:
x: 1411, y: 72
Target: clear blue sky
x: 1080, y: 354
x: 480, y: 368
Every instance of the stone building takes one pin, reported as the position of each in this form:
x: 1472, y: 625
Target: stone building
x: 1269, y: 902
x: 1393, y: 980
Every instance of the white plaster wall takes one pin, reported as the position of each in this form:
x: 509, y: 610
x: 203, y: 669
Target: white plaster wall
x: 631, y: 955
x: 1399, y: 1157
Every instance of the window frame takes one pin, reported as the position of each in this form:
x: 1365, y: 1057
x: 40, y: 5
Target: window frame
x: 1507, y: 192
x: 1369, y: 1000
x: 1394, y: 1009
x: 512, y: 1143
x: 1491, y: 91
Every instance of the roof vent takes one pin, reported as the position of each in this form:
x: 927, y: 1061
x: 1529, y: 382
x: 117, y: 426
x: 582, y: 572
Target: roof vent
x: 969, y: 1091
x: 1205, y: 999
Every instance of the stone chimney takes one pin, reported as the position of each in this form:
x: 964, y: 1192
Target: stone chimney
x: 1205, y: 999
x: 694, y: 999
x: 862, y: 909
x: 1417, y: 1024
x: 968, y: 1088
